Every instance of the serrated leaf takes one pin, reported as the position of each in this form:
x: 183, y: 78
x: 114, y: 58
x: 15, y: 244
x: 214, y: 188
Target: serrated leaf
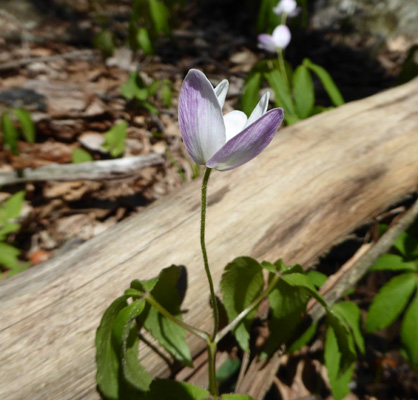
x: 79, y: 156
x: 392, y: 262
x: 107, y: 360
x: 390, y: 301
x: 327, y: 82
x: 287, y: 303
x: 241, y: 283
x: 250, y: 96
x: 281, y: 91
x: 174, y: 390
x: 409, y: 329
x: 317, y: 278
x: 302, y: 281
x: 233, y: 396
x: 303, y: 90
x: 303, y: 339
x: 10, y: 135
x: 159, y: 16
x: 26, y: 124
x: 332, y: 356
x: 125, y: 334
x: 169, y: 335
x: 115, y: 139
x: 144, y: 41
x: 352, y: 315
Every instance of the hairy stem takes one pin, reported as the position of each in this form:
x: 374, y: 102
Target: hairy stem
x: 213, y: 386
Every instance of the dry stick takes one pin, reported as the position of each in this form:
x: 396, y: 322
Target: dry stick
x: 92, y: 170
x: 259, y: 376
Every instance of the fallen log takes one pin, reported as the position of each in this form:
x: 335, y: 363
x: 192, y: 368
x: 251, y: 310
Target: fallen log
x: 317, y: 181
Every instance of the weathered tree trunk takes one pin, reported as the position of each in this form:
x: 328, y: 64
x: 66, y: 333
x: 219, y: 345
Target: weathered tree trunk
x: 316, y: 182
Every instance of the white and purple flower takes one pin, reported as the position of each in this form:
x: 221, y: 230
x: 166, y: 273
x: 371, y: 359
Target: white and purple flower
x: 221, y: 141
x: 278, y: 40
x: 288, y: 7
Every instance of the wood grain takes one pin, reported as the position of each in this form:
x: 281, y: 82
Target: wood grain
x: 315, y: 183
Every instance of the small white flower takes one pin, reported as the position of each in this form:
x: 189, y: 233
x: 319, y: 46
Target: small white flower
x: 288, y: 7
x: 278, y: 40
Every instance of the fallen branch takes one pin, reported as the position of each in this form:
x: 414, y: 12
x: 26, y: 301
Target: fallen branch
x: 92, y: 170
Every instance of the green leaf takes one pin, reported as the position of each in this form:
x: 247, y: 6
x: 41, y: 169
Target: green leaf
x: 287, y: 303
x: 80, y: 156
x: 327, y: 82
x: 7, y: 228
x: 144, y: 41
x: 228, y: 369
x: 159, y: 16
x: 9, y: 133
x: 304, y: 339
x: 302, y: 281
x: 407, y: 245
x: 168, y: 294
x: 173, y: 390
x: 9, y: 256
x: 104, y: 42
x: 26, y: 124
x: 125, y: 334
x: 339, y: 382
x: 13, y: 205
x: 250, y: 96
x: 233, y: 396
x: 392, y: 262
x: 281, y: 91
x: 409, y: 331
x: 107, y: 360
x: 166, y: 95
x: 390, y: 301
x: 317, y: 278
x: 115, y: 139
x: 352, y: 315
x: 303, y: 90
x: 241, y: 283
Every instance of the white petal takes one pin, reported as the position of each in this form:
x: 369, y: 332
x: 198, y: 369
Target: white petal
x: 281, y: 36
x: 234, y: 123
x: 259, y: 110
x: 220, y: 90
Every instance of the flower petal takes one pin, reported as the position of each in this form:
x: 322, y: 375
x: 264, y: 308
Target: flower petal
x: 220, y: 90
x: 281, y: 36
x: 267, y: 42
x: 248, y: 143
x: 259, y: 110
x: 200, y: 117
x: 234, y: 123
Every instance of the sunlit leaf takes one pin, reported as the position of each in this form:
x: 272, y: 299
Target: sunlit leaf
x: 115, y: 139
x: 304, y: 93
x: 409, y: 331
x: 10, y: 135
x: 79, y: 156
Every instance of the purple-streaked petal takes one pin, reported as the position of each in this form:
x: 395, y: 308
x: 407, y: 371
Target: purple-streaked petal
x: 281, y: 36
x: 267, y: 42
x: 220, y: 90
x: 259, y: 110
x: 200, y: 117
x: 234, y: 123
x: 248, y: 143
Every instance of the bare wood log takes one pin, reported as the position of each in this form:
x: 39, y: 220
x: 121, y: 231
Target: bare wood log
x: 92, y: 170
x: 316, y: 182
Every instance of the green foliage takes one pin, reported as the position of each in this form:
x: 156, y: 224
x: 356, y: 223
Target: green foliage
x: 115, y: 139
x: 409, y: 329
x: 172, y: 390
x: 393, y: 262
x: 10, y: 135
x: 294, y: 91
x: 144, y: 41
x: 105, y: 42
x: 26, y: 124
x: 303, y: 339
x: 241, y: 283
x: 228, y: 369
x: 80, y: 156
x: 9, y: 211
x: 233, y: 396
x: 267, y: 20
x: 317, y: 278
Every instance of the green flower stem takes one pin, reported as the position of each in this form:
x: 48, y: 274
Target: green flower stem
x: 213, y: 386
x: 194, y: 331
x: 204, y: 253
x: 282, y: 66
x: 247, y: 310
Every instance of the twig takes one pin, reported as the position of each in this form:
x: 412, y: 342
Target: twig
x: 80, y: 54
x: 93, y: 170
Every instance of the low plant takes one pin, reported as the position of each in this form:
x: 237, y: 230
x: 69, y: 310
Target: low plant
x: 17, y: 123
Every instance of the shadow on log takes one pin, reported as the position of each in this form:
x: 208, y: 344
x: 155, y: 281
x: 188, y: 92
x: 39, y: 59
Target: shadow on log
x: 317, y: 181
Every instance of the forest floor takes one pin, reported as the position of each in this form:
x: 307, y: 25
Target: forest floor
x: 49, y: 66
